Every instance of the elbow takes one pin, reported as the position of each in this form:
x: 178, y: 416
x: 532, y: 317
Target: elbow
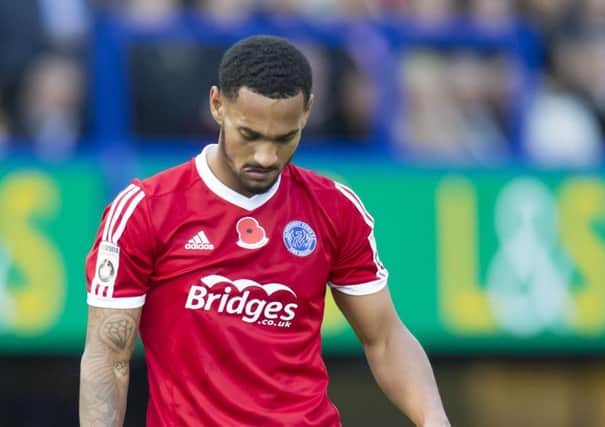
x: 387, y: 336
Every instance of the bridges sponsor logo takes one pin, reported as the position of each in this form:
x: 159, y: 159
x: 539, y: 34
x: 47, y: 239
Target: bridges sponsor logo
x: 234, y: 298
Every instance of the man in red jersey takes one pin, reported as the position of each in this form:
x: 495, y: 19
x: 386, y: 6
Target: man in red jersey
x: 223, y: 262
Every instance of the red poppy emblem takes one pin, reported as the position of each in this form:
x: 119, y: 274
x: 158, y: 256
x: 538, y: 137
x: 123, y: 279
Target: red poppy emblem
x: 251, y: 235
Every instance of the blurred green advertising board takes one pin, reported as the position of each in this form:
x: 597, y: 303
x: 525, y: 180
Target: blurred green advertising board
x: 506, y: 261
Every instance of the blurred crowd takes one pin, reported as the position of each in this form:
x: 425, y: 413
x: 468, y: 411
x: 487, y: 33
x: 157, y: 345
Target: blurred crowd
x: 461, y: 105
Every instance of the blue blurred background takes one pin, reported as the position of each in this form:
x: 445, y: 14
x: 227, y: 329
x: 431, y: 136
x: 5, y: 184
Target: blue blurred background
x: 474, y: 131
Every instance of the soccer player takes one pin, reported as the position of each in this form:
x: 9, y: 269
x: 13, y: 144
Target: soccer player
x: 222, y: 264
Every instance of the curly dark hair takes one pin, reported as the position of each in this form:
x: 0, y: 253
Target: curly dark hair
x: 268, y: 65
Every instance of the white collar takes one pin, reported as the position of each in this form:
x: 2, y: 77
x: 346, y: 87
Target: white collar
x: 226, y: 193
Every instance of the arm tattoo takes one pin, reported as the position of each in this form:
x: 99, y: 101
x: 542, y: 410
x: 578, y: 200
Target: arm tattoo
x: 117, y: 331
x: 96, y: 405
x: 105, y: 367
x: 121, y: 367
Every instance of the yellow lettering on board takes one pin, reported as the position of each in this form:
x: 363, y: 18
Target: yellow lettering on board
x: 38, y: 299
x: 462, y: 302
x: 582, y: 204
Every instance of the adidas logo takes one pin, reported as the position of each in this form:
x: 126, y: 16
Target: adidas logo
x: 199, y: 242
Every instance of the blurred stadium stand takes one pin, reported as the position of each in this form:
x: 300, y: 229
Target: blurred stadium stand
x: 481, y: 121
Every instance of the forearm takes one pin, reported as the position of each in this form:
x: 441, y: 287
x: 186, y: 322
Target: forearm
x: 403, y: 371
x: 103, y: 391
x: 105, y: 367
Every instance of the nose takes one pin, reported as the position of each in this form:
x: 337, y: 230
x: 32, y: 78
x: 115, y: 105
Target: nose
x: 265, y: 155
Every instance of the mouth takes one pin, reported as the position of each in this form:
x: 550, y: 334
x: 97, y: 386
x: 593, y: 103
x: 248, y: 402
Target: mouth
x: 258, y: 174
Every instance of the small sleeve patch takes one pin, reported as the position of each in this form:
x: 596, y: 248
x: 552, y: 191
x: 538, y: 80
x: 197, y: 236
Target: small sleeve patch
x: 106, y: 270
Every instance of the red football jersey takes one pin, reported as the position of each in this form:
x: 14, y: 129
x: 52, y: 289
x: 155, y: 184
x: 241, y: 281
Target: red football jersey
x: 233, y: 290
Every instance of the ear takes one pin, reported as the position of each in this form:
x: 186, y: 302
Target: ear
x: 307, y: 110
x: 216, y: 105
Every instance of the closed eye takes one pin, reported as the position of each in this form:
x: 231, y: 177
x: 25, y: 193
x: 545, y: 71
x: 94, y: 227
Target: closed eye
x: 284, y: 139
x: 249, y: 135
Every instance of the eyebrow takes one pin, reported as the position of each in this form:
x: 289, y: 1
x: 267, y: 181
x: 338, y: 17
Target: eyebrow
x: 274, y: 138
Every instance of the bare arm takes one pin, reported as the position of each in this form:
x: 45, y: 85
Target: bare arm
x: 397, y: 360
x: 104, y: 370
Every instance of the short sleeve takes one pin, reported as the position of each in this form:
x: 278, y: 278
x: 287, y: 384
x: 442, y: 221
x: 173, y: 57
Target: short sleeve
x: 120, y: 262
x: 358, y: 269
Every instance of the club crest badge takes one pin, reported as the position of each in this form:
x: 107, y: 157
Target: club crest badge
x: 299, y: 238
x: 250, y: 234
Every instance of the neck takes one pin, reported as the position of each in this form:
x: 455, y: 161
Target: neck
x: 218, y: 165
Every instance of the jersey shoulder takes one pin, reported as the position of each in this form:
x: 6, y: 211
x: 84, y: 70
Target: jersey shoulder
x: 337, y: 200
x: 176, y: 179
x: 311, y: 179
x: 331, y: 192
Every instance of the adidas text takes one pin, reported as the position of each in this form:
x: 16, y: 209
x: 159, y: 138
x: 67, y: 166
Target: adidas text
x: 199, y: 246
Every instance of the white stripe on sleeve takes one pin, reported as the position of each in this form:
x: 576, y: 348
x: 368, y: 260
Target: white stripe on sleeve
x: 381, y: 272
x: 362, y: 288
x: 125, y: 302
x: 120, y: 208
x: 115, y: 202
x: 350, y: 194
x: 129, y: 211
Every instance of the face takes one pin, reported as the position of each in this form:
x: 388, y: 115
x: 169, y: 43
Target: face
x: 258, y: 138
